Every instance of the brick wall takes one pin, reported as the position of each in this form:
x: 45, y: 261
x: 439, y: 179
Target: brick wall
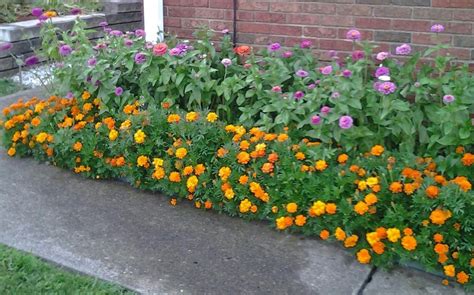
x: 325, y: 22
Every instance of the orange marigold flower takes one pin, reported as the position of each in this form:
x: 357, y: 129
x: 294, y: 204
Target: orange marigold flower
x: 199, y: 169
x: 243, y: 179
x: 449, y: 270
x: 143, y: 161
x: 188, y: 170
x: 351, y: 241
x: 282, y: 137
x: 331, y: 208
x: 181, y: 153
x: 284, y: 222
x: 409, y: 188
x: 467, y: 159
x: 370, y: 199
x: 317, y: 209
x: 381, y: 232
x: 409, y: 243
x: 36, y: 121
x: 442, y: 258
x: 396, y: 187
x: 243, y: 158
x: 291, y: 207
x: 113, y: 134
x: 173, y: 202
x: 224, y: 173
x: 245, y: 205
x: 324, y: 234
x: 212, y: 117
x: 174, y: 177
x: 11, y: 151
x: 158, y: 174
x: 173, y: 118
x: 378, y: 247
x: 340, y: 234
x: 438, y: 238
x: 361, y: 208
x: 273, y: 157
x: 321, y: 165
x: 267, y: 168
x: 354, y: 168
x: 192, y: 116
x: 377, y: 150
x: 86, y: 95
x: 441, y: 180
x: 439, y: 216
x: 342, y: 158
x: 462, y: 277
x: 139, y: 136
x: 221, y: 152
x: 432, y: 191
x: 462, y: 182
x: 363, y: 256
x: 300, y: 220
x: 407, y: 231
x: 300, y: 156
x: 77, y: 146
x: 445, y: 282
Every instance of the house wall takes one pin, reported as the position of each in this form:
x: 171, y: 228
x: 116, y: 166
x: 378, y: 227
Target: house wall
x: 388, y: 23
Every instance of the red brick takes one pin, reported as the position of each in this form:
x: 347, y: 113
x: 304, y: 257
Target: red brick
x: 194, y: 3
x: 319, y: 8
x: 220, y: 25
x: 182, y: 33
x: 358, y: 10
x: 461, y: 53
x: 459, y: 28
x: 194, y: 23
x: 266, y: 39
x: 250, y: 5
x: 366, y: 35
x: 270, y: 17
x: 286, y: 30
x: 429, y: 38
x: 433, y: 13
x: 453, y: 3
x: 221, y: 4
x: 181, y: 11
x: 248, y: 27
x: 292, y: 41
x: 320, y: 32
x: 305, y: 19
x: 393, y: 12
x: 172, y: 22
x: 411, y: 25
x: 245, y: 15
x: 336, y: 20
x: 372, y: 23
x: 209, y: 13
x: 466, y: 15
x: 286, y: 7
x: 332, y: 44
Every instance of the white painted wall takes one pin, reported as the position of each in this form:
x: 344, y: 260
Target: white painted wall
x: 154, y: 20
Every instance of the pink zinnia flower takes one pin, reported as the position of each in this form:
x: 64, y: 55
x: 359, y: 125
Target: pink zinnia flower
x: 298, y: 95
x: 118, y: 91
x: 382, y: 71
x: 347, y: 73
x: 353, y: 35
x: 315, y: 120
x: 448, y: 98
x: 287, y: 54
x: 276, y: 88
x: 382, y: 55
x: 325, y: 110
x: 274, y: 47
x: 403, y: 49
x: 160, y: 49
x: 358, y: 54
x: 302, y: 73
x: 326, y: 70
x: 386, y: 88
x: 5, y: 46
x: 306, y: 44
x: 346, y: 122
x: 437, y: 28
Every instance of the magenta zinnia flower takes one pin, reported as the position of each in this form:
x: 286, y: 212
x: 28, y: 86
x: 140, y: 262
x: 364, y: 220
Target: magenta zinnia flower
x: 287, y: 54
x: 325, y: 110
x: 403, y: 49
x: 140, y: 58
x: 37, y: 11
x: 32, y: 60
x: 140, y: 33
x: 116, y: 33
x: 128, y: 42
x: 5, y: 46
x: 346, y: 73
x: 92, y: 62
x: 448, y: 98
x: 315, y: 120
x: 118, y: 91
x: 65, y: 50
x: 76, y: 11
x: 358, y: 54
x: 274, y: 47
x: 386, y: 88
x: 345, y: 122
x: 353, y: 35
x: 306, y: 44
x: 298, y: 95
x: 382, y: 71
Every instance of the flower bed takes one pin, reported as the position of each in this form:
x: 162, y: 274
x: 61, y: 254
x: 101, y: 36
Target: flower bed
x: 368, y: 151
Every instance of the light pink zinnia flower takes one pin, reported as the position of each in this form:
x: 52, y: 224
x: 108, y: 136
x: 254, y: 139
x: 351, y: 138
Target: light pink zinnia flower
x: 353, y: 35
x: 448, y: 98
x: 382, y: 55
x: 437, y: 28
x: 346, y: 122
x: 403, y: 49
x: 326, y: 70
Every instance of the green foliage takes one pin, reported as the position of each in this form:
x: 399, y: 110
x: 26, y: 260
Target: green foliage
x: 21, y: 273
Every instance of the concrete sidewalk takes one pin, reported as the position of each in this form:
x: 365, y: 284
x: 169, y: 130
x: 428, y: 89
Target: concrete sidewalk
x: 136, y: 239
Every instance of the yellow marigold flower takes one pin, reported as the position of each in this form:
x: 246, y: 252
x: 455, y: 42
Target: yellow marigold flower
x: 41, y: 137
x: 174, y: 177
x: 317, y: 209
x: 377, y: 150
x: 449, y: 270
x: 362, y: 185
x: 331, y: 208
x: 77, y: 146
x: 173, y: 118
x: 86, y: 95
x: 158, y: 162
x: 351, y: 241
x: 363, y: 256
x: 143, y: 161
x: 113, y: 134
x: 229, y: 193
x: 192, y: 116
x: 393, y: 234
x: 199, y: 169
x: 300, y: 156
x: 181, y: 153
x: 361, y: 208
x: 340, y: 234
x: 300, y: 220
x: 139, y: 136
x: 372, y: 238
x: 370, y: 199
x: 192, y: 182
x: 125, y: 125
x: 159, y: 173
x: 342, y: 158
x: 409, y: 243
x: 321, y: 165
x: 243, y: 158
x: 212, y: 117
x: 274, y: 209
x: 371, y: 181
x: 462, y: 277
x: 282, y: 137
x: 11, y: 151
x: 245, y: 205
x: 224, y: 173
x: 439, y: 216
x: 291, y: 207
x: 324, y: 234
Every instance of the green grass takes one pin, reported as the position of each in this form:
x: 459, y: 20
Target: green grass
x: 8, y: 87
x: 22, y: 273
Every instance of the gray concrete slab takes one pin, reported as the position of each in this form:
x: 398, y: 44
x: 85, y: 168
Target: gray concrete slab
x: 405, y: 281
x: 137, y: 239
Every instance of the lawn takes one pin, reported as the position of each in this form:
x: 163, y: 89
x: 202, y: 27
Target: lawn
x: 22, y: 273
